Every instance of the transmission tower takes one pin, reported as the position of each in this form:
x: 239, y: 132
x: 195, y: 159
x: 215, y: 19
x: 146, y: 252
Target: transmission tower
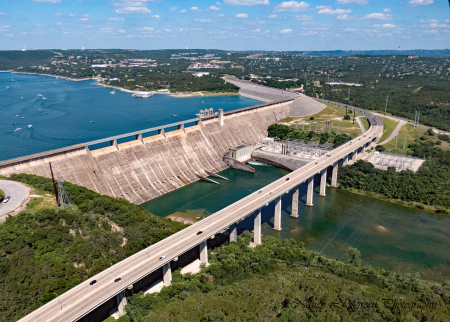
x: 64, y: 199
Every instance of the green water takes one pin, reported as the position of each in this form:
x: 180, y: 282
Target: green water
x: 389, y: 236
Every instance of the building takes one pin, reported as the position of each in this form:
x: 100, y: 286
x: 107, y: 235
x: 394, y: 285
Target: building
x: 200, y: 74
x: 241, y: 153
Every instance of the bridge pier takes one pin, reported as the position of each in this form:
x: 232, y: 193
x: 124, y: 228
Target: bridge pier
x: 257, y: 227
x: 310, y: 192
x: 233, y: 233
x: 345, y: 161
x: 323, y: 182
x: 204, y: 252
x: 167, y: 274
x: 354, y: 155
x: 181, y: 127
x: 277, y: 219
x: 220, y: 117
x: 294, y: 212
x: 334, y: 175
x: 121, y: 303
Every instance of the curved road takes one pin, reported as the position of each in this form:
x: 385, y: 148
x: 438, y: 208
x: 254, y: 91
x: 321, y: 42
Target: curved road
x: 395, y: 132
x: 18, y: 194
x: 83, y: 298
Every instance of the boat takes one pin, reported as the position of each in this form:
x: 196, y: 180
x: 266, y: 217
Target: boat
x: 44, y: 98
x: 7, y: 87
x: 113, y: 92
x: 30, y: 126
x: 17, y: 129
x: 39, y: 95
x: 142, y: 94
x: 92, y: 122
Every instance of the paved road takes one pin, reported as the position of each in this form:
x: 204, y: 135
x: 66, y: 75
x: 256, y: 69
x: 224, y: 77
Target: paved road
x: 361, y: 125
x: 18, y: 194
x: 394, y: 133
x: 84, y: 298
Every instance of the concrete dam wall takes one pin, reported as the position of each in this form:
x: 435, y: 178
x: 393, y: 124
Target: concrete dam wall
x: 146, y: 168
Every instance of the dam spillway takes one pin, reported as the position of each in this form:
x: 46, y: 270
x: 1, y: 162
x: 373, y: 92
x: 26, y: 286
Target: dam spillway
x: 146, y: 168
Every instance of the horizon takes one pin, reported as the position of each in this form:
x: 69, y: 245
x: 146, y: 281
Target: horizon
x: 233, y: 25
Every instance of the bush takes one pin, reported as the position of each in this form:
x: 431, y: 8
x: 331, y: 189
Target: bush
x: 430, y: 132
x: 443, y: 137
x: 381, y: 148
x: 2, y: 195
x: 438, y: 142
x: 311, y: 118
x: 347, y: 117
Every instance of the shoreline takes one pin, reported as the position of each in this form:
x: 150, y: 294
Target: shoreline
x: 173, y: 94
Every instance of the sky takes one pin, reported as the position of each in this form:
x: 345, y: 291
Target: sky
x: 225, y: 24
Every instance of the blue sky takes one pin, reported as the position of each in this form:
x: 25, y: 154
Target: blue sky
x: 225, y: 24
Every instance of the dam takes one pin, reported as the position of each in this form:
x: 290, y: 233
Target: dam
x: 148, y: 167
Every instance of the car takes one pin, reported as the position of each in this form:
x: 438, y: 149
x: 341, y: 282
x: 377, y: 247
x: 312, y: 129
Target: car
x: 271, y: 192
x: 6, y: 199
x: 162, y: 257
x: 287, y: 179
x: 259, y: 192
x: 199, y: 232
x: 117, y: 279
x: 365, y: 135
x: 316, y: 162
x: 93, y: 282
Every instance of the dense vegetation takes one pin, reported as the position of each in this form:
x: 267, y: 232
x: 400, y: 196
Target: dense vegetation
x: 2, y: 195
x: 283, y: 281
x: 45, y: 254
x: 285, y: 132
x: 430, y: 185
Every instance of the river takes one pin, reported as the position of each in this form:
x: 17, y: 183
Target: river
x: 389, y: 236
x: 63, y: 113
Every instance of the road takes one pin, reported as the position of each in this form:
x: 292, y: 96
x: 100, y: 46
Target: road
x: 84, y: 298
x: 18, y: 194
x: 394, y: 133
x: 361, y: 125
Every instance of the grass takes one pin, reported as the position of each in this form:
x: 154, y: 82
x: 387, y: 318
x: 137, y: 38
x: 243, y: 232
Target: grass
x: 335, y: 114
x: 45, y: 201
x: 389, y: 127
x: 365, y: 122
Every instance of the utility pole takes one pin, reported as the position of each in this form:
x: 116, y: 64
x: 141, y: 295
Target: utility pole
x: 404, y: 144
x: 349, y: 94
x: 396, y: 138
x: 385, y: 107
x: 354, y: 114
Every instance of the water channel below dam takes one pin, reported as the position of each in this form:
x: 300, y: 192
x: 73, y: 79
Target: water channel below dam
x: 389, y: 236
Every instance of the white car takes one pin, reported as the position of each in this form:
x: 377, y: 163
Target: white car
x: 162, y: 257
x: 6, y: 199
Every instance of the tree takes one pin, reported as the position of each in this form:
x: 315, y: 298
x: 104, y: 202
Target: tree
x: 380, y: 148
x: 347, y: 117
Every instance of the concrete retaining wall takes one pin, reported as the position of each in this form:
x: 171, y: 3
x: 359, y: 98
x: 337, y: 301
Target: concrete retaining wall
x: 140, y: 171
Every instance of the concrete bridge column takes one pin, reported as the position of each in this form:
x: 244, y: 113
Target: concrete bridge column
x: 310, y: 192
x: 294, y: 212
x: 233, y: 233
x: 334, y: 175
x: 354, y: 155
x: 181, y: 127
x: 277, y: 219
x: 221, y: 117
x: 114, y: 144
x: 204, y: 252
x: 257, y: 228
x: 121, y: 303
x: 167, y: 274
x: 323, y: 182
x: 345, y: 161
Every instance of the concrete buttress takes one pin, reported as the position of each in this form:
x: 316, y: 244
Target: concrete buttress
x: 277, y: 219
x: 257, y: 227
x: 204, y: 252
x: 323, y: 182
x: 310, y: 192
x: 334, y: 175
x: 167, y: 274
x: 233, y: 233
x: 121, y: 303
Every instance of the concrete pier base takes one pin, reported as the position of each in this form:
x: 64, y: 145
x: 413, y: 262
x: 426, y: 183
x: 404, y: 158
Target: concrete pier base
x: 334, y: 175
x: 121, y: 303
x: 204, y: 252
x: 233, y: 233
x: 323, y: 182
x: 310, y: 192
x: 277, y: 219
x: 294, y: 212
x: 257, y: 228
x: 167, y: 274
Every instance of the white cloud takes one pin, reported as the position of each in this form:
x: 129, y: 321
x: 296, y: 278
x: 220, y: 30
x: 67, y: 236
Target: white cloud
x: 388, y: 25
x: 241, y: 15
x: 117, y: 19
x: 431, y: 31
x: 204, y: 20
x: 286, y: 31
x: 245, y: 2
x: 344, y: 17
x: 386, y: 10
x: 71, y: 15
x: 133, y: 10
x: 329, y: 11
x: 182, y: 11
x: 121, y: 31
x: 195, y: 9
x: 304, y: 17
x: 9, y: 35
x: 59, y: 24
x: 168, y: 30
x: 85, y: 15
x: 2, y: 13
x: 221, y: 15
x: 351, y: 29
x: 360, y: 2
x: 292, y: 6
x: 156, y: 16
x: 173, y: 8
x: 84, y: 19
x: 5, y: 27
x: 257, y: 30
x: 272, y: 16
x: 48, y: 1
x: 57, y: 14
x: 420, y: 2
x: 105, y: 30
x: 146, y: 29
x: 378, y: 16
x: 214, y: 8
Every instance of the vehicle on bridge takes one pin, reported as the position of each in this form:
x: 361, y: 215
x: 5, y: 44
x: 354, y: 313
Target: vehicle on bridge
x: 93, y: 282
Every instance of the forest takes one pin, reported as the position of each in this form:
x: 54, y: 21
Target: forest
x: 46, y: 254
x: 284, y: 132
x: 430, y: 185
x: 282, y: 281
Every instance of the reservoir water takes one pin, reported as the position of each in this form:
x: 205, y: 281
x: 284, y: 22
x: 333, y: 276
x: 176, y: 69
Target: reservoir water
x: 63, y: 113
x: 389, y: 236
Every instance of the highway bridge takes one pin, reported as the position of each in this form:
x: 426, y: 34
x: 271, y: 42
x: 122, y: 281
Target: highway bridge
x: 84, y: 298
